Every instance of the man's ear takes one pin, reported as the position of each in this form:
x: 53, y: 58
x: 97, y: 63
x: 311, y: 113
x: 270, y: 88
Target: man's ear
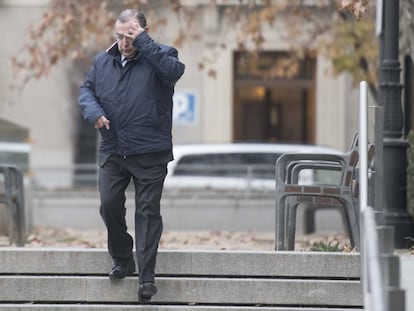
x: 146, y: 29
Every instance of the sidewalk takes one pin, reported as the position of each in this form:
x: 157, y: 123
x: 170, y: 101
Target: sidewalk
x: 219, y: 240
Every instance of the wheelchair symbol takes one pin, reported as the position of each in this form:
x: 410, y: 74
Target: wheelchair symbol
x: 184, y: 108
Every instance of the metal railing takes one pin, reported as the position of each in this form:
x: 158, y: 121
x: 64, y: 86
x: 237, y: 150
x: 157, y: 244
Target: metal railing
x: 372, y: 283
x: 379, y: 266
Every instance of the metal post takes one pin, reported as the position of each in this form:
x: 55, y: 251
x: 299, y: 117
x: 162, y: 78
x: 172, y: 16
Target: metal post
x: 363, y: 146
x: 395, y: 146
x: 363, y: 199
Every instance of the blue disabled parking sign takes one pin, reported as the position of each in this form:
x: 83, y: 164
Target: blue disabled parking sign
x: 184, y: 108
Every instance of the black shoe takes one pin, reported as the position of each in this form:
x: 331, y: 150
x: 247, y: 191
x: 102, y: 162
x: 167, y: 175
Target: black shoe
x: 119, y: 271
x: 146, y: 291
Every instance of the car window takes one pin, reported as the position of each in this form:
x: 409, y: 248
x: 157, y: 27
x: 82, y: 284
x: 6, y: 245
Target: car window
x: 255, y: 165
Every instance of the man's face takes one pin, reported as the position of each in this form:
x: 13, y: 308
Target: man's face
x: 125, y: 46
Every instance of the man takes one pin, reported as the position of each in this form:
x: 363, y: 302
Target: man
x: 127, y: 95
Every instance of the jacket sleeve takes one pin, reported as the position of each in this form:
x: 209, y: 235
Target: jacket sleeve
x: 164, y: 61
x: 90, y: 107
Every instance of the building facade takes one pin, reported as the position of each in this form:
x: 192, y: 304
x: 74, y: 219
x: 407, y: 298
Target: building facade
x: 236, y: 103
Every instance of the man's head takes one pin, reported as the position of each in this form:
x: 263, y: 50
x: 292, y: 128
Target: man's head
x: 123, y: 30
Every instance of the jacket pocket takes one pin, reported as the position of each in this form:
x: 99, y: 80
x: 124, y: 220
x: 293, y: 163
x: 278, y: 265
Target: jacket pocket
x: 103, y: 159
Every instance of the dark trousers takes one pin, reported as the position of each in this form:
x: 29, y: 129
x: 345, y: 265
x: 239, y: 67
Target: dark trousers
x: 114, y: 177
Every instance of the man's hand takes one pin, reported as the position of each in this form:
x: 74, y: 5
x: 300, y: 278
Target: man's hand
x: 134, y: 29
x: 101, y: 122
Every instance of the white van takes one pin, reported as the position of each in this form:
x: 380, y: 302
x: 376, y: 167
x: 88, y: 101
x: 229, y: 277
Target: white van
x: 231, y: 166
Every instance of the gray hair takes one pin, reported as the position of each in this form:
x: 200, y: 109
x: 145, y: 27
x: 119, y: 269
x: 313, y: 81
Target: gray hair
x: 127, y: 14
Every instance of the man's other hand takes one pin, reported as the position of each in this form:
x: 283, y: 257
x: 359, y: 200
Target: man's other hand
x: 101, y: 122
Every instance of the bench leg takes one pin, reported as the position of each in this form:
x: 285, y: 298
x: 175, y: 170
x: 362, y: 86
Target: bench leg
x: 308, y: 219
x: 14, y: 201
x: 20, y: 212
x: 352, y: 215
x: 291, y: 230
x: 280, y: 224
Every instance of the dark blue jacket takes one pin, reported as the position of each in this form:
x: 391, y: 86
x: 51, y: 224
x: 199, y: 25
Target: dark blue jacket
x: 136, y: 99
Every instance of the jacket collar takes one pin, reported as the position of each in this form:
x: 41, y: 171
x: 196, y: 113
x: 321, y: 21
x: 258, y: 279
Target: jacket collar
x: 114, y: 52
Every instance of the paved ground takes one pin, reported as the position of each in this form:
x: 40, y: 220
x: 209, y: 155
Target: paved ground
x: 215, y: 240
x: 221, y: 240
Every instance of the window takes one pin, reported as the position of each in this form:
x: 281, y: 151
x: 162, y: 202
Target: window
x: 254, y: 165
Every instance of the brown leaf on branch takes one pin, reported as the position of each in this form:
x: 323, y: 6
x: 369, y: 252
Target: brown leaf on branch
x: 212, y: 73
x: 68, y: 29
x: 179, y: 40
x: 357, y: 7
x: 74, y: 29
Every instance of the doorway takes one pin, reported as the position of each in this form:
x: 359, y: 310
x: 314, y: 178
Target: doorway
x: 270, y: 105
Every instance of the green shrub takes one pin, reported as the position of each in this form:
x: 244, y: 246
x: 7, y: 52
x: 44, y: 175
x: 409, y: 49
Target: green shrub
x: 326, y: 247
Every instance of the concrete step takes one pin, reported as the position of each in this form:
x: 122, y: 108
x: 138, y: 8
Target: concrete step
x: 175, y: 290
x: 105, y: 307
x: 187, y: 280
x: 185, y: 262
